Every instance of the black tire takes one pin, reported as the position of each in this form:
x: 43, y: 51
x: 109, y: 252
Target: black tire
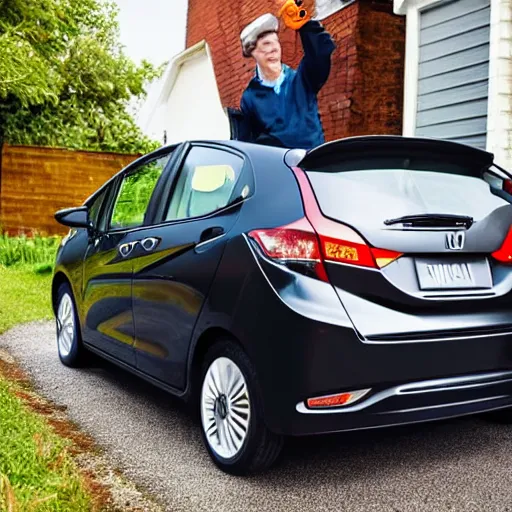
x: 503, y: 416
x: 261, y: 447
x: 76, y: 356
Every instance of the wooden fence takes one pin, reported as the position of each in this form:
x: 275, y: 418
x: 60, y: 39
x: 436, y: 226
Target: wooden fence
x: 35, y: 182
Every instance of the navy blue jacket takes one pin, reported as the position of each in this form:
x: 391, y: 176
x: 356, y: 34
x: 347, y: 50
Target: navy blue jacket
x: 291, y: 116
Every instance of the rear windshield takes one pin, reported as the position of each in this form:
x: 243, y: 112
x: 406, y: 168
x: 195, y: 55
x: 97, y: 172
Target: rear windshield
x: 371, y: 196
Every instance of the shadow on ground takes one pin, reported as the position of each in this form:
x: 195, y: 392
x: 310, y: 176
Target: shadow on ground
x: 371, y: 454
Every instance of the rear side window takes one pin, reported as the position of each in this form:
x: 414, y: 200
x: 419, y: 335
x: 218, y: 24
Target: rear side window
x: 370, y: 196
x: 206, y: 183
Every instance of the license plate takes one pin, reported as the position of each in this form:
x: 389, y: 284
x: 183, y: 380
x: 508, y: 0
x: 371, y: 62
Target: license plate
x: 453, y: 275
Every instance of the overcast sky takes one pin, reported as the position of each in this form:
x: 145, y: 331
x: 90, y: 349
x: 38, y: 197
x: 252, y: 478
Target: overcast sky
x: 153, y: 29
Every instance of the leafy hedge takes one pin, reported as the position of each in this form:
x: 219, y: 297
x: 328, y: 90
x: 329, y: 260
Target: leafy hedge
x: 37, y: 252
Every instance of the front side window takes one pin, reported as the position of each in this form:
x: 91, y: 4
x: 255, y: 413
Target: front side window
x: 95, y: 207
x: 206, y: 183
x: 135, y: 193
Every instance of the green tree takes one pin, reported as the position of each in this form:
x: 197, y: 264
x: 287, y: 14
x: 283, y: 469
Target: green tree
x: 64, y: 79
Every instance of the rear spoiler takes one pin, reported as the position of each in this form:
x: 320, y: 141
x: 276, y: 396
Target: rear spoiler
x: 334, y: 153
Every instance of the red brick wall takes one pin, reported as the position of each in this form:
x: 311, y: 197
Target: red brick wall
x: 364, y: 92
x: 381, y: 52
x: 336, y: 99
x: 36, y: 182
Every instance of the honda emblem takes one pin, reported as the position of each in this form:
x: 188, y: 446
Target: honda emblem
x: 455, y: 240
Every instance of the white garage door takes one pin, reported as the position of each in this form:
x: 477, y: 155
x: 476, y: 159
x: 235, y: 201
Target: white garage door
x: 454, y: 71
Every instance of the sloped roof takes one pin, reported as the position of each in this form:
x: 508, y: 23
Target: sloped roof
x: 162, y: 88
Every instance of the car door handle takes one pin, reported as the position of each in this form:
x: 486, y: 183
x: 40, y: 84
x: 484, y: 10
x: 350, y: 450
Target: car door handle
x: 126, y: 249
x: 211, y: 233
x: 149, y: 244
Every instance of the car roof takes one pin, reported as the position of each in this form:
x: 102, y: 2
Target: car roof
x: 319, y: 155
x: 252, y: 150
x: 248, y: 148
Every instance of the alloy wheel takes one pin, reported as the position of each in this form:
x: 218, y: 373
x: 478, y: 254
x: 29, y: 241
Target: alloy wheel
x: 65, y: 325
x: 225, y: 408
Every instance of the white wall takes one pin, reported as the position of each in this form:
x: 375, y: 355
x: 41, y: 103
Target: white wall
x: 193, y: 109
x: 187, y: 103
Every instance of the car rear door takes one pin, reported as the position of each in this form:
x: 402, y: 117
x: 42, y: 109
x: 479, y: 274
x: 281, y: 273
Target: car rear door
x: 108, y: 263
x: 425, y: 222
x: 176, y: 258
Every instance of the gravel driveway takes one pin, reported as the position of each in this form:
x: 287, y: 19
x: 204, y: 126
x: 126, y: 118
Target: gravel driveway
x: 462, y: 465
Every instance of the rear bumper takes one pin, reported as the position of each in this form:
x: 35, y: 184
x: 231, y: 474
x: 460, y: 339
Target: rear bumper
x: 303, y: 345
x: 416, y: 402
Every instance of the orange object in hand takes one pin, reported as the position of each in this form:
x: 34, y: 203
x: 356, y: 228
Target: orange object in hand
x: 293, y: 14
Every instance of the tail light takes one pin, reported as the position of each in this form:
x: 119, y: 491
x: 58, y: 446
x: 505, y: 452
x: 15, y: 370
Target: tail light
x: 353, y: 250
x: 384, y: 257
x: 291, y: 244
x: 507, y: 186
x: 315, y: 239
x: 504, y: 253
x: 295, y: 244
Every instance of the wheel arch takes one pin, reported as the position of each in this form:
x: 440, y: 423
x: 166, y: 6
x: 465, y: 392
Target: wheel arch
x: 59, y: 279
x: 206, y: 339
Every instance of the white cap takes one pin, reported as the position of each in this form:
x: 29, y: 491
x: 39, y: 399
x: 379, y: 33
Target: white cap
x: 250, y: 34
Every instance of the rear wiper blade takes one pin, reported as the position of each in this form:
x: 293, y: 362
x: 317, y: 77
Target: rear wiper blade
x: 432, y: 220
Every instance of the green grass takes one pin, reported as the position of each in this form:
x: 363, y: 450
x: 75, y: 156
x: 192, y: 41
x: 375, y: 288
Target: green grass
x: 24, y: 296
x: 26, y: 265
x: 36, y: 471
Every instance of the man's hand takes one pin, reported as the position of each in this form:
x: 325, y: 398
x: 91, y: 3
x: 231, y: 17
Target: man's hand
x: 294, y: 14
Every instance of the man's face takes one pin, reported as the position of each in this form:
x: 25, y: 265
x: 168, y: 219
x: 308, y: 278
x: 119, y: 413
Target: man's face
x: 268, y: 50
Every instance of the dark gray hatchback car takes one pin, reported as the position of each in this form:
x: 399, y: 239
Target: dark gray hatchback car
x: 366, y: 283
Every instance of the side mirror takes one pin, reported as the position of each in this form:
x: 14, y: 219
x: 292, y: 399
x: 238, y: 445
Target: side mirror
x: 74, y: 217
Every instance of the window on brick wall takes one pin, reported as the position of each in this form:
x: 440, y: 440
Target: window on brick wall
x: 325, y: 8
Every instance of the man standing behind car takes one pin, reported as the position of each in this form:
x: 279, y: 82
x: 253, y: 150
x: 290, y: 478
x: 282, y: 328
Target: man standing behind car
x: 279, y: 105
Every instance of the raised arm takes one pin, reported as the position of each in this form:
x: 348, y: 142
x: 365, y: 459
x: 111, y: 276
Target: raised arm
x: 316, y: 42
x: 318, y: 45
